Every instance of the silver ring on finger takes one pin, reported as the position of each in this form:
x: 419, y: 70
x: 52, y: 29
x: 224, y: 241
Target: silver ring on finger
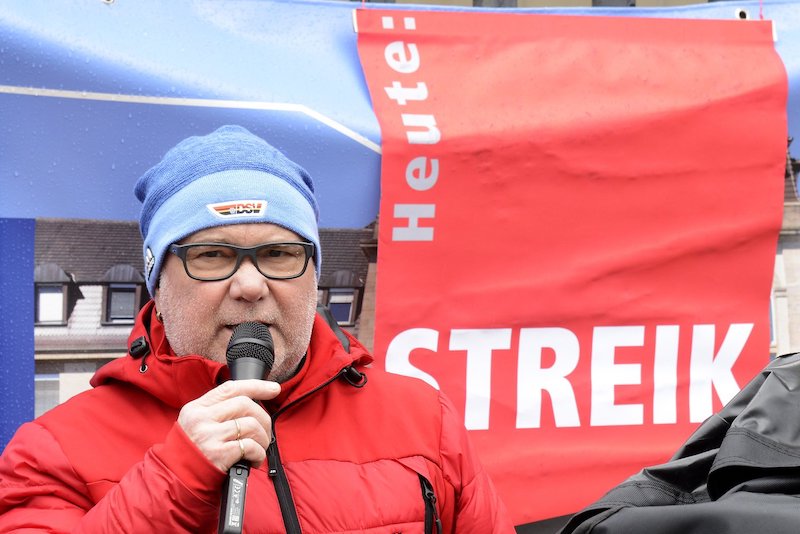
x: 238, y: 429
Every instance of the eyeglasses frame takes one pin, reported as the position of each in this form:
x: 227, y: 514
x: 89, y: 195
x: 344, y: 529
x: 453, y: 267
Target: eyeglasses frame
x: 180, y: 250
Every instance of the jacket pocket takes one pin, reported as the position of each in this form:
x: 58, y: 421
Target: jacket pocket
x: 433, y: 521
x: 433, y: 524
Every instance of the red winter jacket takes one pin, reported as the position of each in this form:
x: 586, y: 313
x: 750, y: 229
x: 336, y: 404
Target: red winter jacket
x: 355, y: 452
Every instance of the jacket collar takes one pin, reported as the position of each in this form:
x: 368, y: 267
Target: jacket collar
x: 177, y: 380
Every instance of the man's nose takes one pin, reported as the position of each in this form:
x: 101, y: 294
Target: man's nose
x: 248, y: 283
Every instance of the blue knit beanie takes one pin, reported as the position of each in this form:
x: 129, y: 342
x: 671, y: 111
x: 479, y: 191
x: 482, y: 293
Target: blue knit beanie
x: 229, y: 176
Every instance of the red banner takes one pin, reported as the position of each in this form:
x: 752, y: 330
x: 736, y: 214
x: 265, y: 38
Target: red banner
x: 578, y: 226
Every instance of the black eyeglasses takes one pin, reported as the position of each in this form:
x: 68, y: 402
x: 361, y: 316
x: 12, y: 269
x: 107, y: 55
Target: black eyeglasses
x: 217, y: 261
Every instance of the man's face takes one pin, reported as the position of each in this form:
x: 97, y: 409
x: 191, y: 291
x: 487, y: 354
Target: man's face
x: 199, y: 317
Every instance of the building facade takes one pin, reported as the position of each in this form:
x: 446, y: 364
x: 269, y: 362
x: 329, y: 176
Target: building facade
x: 89, y: 287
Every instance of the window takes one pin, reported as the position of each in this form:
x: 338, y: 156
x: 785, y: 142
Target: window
x: 50, y: 304
x: 51, y: 285
x: 773, y: 338
x: 121, y: 303
x: 122, y: 294
x: 340, y: 303
x: 45, y: 392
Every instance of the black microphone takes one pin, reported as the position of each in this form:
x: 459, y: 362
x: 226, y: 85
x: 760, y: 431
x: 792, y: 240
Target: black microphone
x: 250, y: 354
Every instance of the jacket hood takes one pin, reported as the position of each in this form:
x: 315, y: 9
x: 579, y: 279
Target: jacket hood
x: 152, y: 366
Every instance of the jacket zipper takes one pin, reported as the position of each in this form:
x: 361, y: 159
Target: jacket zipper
x: 275, y: 468
x: 432, y: 519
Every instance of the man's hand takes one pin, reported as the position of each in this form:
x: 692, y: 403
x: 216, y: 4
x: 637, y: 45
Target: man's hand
x: 227, y: 425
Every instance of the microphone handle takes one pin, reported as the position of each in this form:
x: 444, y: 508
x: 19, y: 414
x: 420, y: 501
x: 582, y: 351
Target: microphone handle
x: 234, y: 490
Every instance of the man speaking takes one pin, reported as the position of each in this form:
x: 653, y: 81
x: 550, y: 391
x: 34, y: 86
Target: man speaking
x: 326, y: 443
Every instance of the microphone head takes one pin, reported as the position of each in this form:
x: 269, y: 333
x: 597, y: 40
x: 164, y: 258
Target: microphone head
x: 250, y: 348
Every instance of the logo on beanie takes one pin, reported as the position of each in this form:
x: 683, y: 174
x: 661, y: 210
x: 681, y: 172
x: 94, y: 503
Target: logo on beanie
x: 238, y: 208
x: 149, y: 263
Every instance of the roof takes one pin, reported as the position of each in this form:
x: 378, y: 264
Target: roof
x: 86, y: 249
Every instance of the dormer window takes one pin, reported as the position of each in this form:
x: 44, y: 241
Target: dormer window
x: 51, y: 304
x: 51, y: 286
x: 123, y: 293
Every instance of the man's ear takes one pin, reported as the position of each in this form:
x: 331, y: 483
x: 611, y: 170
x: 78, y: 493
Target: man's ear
x: 155, y: 291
